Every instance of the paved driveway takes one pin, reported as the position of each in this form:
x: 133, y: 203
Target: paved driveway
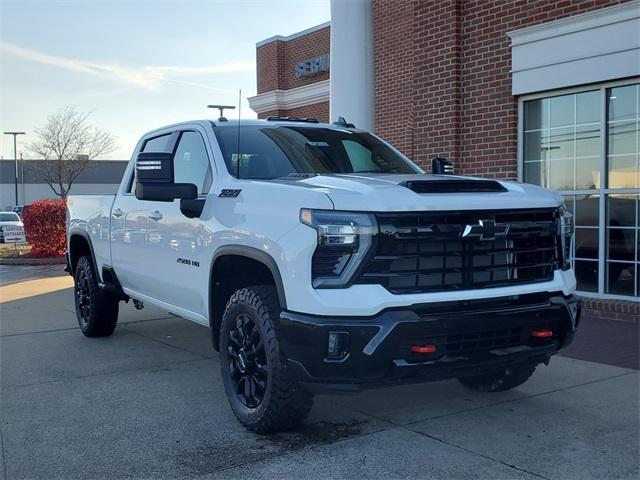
x: 148, y: 403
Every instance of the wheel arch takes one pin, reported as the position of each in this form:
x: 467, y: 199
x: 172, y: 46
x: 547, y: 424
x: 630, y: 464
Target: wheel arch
x: 263, y: 267
x: 79, y: 245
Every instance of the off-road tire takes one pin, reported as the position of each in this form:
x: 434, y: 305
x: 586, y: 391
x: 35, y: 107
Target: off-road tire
x: 284, y: 404
x: 499, y: 381
x: 97, y: 312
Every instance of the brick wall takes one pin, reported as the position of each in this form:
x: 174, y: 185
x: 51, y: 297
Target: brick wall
x: 276, y: 61
x: 275, y: 67
x: 620, y: 310
x: 319, y: 111
x: 394, y: 72
x: 455, y: 100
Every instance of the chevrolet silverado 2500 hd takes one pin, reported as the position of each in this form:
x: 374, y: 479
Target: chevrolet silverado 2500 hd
x: 324, y: 260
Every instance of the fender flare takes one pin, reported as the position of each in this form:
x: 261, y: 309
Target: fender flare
x: 254, y: 254
x: 85, y: 235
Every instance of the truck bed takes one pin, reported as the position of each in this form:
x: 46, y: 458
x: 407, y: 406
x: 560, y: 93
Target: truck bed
x: 90, y: 215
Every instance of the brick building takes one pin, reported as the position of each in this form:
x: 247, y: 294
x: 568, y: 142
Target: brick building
x: 542, y: 91
x: 293, y: 75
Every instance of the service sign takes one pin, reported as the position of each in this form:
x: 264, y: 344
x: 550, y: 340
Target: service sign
x: 13, y: 234
x: 312, y: 66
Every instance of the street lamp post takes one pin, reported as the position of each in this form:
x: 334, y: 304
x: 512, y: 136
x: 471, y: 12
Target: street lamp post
x: 15, y: 157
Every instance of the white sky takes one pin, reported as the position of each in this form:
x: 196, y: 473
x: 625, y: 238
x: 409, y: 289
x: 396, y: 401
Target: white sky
x: 136, y: 65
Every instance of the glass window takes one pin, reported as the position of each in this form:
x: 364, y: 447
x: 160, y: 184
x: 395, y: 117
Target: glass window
x: 9, y: 217
x: 280, y: 151
x: 623, y: 149
x: 563, y: 146
x: 191, y: 162
x: 158, y: 144
x: 623, y: 103
x: 562, y: 141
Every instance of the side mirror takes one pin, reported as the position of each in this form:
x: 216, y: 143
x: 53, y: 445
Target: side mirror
x: 441, y: 166
x: 154, y: 179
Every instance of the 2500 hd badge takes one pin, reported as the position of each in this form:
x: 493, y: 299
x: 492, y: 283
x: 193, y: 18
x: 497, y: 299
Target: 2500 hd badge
x: 186, y: 261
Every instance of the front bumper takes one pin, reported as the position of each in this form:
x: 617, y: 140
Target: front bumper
x: 471, y: 337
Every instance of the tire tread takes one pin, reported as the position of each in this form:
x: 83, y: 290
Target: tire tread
x: 289, y: 404
x: 104, y: 308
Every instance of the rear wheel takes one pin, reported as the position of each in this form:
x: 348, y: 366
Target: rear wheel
x: 259, y: 386
x: 97, y: 312
x: 499, y: 381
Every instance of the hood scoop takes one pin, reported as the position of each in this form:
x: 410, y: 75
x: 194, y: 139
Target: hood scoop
x: 454, y: 186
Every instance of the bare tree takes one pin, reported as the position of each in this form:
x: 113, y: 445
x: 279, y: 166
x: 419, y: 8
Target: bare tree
x: 67, y: 144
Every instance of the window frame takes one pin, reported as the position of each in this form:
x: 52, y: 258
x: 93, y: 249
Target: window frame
x: 602, y: 192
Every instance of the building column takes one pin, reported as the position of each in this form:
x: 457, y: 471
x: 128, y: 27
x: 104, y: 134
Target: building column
x: 351, y: 64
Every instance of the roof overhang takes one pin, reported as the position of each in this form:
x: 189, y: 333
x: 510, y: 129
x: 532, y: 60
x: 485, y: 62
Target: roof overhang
x: 311, y: 94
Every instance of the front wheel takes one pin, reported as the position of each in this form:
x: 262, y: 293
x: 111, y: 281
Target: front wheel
x: 97, y: 312
x: 259, y: 386
x: 501, y: 380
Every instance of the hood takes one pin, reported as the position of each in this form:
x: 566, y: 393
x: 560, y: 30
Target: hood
x: 395, y: 192
x: 12, y: 222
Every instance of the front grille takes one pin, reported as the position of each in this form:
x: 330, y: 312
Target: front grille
x: 440, y: 251
x: 469, y: 342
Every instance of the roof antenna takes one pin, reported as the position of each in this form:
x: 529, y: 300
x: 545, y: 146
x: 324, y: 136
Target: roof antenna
x: 239, y: 154
x: 221, y: 109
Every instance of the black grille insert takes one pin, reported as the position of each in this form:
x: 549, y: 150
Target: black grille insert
x: 440, y: 251
x: 468, y: 342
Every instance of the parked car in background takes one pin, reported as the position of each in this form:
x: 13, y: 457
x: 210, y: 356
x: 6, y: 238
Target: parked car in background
x: 20, y: 209
x: 11, y: 227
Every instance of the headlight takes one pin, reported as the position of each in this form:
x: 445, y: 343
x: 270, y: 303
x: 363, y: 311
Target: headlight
x: 566, y: 236
x: 344, y: 239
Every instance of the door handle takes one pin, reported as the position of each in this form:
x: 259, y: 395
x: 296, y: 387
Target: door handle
x: 155, y: 215
x: 117, y: 213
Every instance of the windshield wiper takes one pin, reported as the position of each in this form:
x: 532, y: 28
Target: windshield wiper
x: 301, y: 175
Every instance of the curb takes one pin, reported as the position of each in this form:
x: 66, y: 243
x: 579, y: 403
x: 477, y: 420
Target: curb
x: 611, y: 310
x: 32, y: 261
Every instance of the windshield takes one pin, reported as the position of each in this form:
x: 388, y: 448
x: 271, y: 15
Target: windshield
x: 8, y: 217
x: 274, y: 152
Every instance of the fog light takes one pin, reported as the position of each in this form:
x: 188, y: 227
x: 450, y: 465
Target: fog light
x: 338, y: 345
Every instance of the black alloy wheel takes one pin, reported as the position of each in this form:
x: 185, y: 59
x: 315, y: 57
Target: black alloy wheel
x: 247, y: 361
x: 262, y: 391
x: 83, y: 298
x: 96, y: 311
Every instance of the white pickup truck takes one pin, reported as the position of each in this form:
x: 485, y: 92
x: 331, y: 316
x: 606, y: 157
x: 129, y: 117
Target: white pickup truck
x: 323, y: 260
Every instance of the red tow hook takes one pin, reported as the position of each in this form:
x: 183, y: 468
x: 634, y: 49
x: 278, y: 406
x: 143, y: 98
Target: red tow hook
x: 423, y: 349
x: 542, y: 333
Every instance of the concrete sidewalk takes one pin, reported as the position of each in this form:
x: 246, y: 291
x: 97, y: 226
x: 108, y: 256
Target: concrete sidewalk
x: 148, y: 403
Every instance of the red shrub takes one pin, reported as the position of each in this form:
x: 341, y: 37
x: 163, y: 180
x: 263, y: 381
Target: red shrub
x: 44, y: 224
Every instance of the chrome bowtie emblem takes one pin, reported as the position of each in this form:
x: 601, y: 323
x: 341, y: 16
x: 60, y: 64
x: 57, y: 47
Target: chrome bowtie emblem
x: 485, y: 230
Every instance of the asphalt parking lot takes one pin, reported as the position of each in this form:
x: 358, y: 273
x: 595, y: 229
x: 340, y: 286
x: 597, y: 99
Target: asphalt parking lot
x: 148, y: 403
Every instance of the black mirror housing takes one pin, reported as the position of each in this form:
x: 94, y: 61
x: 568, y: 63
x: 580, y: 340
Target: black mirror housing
x: 441, y: 166
x: 154, y: 167
x: 154, y: 179
x: 165, y: 192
